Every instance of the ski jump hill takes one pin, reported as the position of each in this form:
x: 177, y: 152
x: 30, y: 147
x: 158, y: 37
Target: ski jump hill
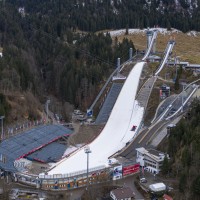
x: 121, y: 127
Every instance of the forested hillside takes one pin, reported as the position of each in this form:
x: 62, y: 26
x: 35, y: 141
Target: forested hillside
x: 183, y: 147
x: 50, y: 47
x: 94, y: 15
x: 41, y: 57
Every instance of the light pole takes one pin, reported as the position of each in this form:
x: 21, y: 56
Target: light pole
x: 182, y: 97
x: 2, y: 135
x: 47, y: 109
x: 87, y: 151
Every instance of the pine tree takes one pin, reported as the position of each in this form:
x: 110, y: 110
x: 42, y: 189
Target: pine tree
x: 196, y: 186
x: 165, y: 166
x: 182, y: 183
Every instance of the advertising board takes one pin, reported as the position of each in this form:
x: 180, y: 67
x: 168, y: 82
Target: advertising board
x: 117, y: 172
x: 131, y: 169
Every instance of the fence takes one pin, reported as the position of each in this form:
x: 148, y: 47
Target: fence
x: 18, y: 128
x: 73, y: 180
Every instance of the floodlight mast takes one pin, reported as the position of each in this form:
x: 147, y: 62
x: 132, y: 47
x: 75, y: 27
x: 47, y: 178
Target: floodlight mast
x: 87, y: 151
x: 2, y: 133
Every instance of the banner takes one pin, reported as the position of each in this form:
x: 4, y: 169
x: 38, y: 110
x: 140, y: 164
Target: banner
x: 131, y: 169
x: 117, y: 172
x: 89, y: 113
x: 160, y: 93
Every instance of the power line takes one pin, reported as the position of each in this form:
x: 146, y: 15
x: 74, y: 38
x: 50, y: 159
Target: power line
x: 87, y: 53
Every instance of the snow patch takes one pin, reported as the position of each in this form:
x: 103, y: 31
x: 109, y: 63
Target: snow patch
x: 142, y: 31
x: 72, y: 149
x: 193, y: 33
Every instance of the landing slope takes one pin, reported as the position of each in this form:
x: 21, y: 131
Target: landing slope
x: 117, y: 132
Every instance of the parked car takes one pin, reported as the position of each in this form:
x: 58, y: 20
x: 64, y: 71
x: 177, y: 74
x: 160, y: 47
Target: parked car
x: 143, y: 180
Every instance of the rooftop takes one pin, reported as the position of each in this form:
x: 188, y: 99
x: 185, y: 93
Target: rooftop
x: 155, y: 152
x: 122, y: 193
x: 167, y: 197
x: 142, y: 150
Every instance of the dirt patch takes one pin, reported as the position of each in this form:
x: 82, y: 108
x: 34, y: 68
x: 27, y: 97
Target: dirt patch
x: 84, y: 134
x: 23, y: 106
x: 153, y: 103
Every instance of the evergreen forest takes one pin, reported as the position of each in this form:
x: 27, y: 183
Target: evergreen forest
x: 45, y: 55
x: 183, y: 146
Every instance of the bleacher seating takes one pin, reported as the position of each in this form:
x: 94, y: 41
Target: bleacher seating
x: 28, y: 142
x: 50, y: 153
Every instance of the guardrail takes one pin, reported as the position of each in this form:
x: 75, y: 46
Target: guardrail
x: 108, y: 80
x: 183, y: 104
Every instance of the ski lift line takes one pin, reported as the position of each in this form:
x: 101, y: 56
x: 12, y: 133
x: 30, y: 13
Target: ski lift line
x: 55, y: 39
x: 123, y: 65
x: 108, y: 80
x: 161, y: 117
x: 102, y: 90
x: 183, y: 104
x: 150, y: 46
x: 70, y: 45
x: 155, y: 116
x: 191, y: 84
x: 185, y: 90
x: 168, y: 50
x: 168, y: 108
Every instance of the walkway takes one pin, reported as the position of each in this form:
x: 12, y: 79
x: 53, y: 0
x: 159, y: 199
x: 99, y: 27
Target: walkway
x: 145, y: 91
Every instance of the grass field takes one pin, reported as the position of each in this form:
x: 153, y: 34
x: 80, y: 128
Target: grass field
x: 187, y: 48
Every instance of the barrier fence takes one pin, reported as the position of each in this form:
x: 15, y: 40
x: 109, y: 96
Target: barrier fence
x: 79, y: 179
x: 15, y: 129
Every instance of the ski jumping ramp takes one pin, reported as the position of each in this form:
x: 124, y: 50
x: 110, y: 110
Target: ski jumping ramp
x: 121, y: 127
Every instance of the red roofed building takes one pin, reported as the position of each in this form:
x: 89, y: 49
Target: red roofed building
x: 125, y: 193
x: 167, y: 197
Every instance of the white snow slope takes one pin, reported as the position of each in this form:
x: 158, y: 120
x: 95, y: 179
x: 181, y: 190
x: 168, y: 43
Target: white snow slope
x: 116, y: 133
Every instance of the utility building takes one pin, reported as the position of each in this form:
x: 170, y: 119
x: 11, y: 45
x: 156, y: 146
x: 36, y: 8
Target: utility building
x: 151, y: 159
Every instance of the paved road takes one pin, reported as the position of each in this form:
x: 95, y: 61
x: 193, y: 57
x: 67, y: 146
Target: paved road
x: 129, y: 182
x: 142, y: 140
x: 74, y: 194
x: 157, y: 131
x: 163, y: 133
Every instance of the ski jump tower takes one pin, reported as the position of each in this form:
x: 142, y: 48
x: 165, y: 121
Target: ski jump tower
x: 149, y: 38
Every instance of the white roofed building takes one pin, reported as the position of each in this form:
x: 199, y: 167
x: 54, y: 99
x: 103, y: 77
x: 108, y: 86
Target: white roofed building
x: 157, y: 187
x: 150, y: 159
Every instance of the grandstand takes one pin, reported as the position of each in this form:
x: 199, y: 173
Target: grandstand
x: 50, y: 153
x: 40, y: 139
